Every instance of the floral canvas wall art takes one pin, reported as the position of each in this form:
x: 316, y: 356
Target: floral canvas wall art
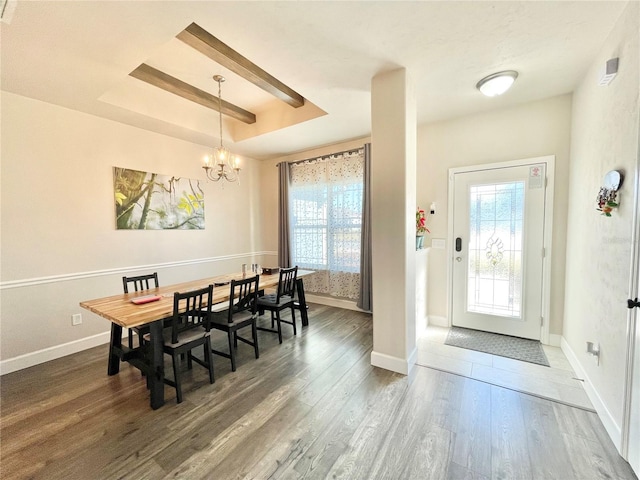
x: 150, y: 201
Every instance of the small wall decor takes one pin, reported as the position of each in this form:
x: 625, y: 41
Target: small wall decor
x: 150, y: 201
x: 421, y: 228
x: 608, y: 194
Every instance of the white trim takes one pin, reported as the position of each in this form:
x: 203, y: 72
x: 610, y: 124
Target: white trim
x: 437, y: 321
x: 550, y: 161
x: 633, y: 322
x: 112, y: 271
x: 610, y: 425
x: 52, y: 353
x: 395, y: 364
x: 333, y: 302
x: 548, y: 247
x: 450, y: 242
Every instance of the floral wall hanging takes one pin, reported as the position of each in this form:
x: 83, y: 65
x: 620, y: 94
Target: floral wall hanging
x: 608, y: 195
x: 150, y: 201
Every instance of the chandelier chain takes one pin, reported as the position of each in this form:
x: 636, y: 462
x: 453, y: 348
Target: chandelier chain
x: 220, y: 107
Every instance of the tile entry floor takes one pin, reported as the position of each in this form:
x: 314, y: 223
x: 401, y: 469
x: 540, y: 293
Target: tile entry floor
x: 557, y: 382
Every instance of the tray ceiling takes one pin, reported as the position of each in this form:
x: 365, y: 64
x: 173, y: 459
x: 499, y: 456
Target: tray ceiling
x: 80, y: 55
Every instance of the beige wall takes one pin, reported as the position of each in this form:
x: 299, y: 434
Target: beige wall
x: 604, y: 137
x: 59, y: 242
x: 530, y: 130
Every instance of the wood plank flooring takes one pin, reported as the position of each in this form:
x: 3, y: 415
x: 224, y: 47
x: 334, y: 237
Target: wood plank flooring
x: 312, y: 407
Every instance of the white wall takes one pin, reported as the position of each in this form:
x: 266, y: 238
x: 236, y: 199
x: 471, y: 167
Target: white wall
x: 530, y: 130
x: 604, y: 137
x: 59, y: 242
x: 393, y: 193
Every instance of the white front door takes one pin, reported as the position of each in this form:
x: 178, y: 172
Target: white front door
x: 497, y: 262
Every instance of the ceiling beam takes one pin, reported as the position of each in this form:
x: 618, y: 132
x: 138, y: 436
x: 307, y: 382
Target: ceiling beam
x: 198, y: 38
x: 166, y: 82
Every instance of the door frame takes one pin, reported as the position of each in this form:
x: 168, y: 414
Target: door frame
x: 550, y: 161
x: 633, y: 319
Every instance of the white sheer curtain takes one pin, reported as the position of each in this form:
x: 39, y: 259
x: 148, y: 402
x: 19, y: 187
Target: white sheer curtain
x: 325, y: 202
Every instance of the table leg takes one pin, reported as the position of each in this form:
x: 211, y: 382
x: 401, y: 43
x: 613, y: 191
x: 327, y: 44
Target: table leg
x: 115, y: 346
x: 301, y: 304
x: 156, y: 367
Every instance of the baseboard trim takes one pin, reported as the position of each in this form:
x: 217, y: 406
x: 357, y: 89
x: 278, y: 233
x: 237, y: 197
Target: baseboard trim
x: 438, y: 321
x: 610, y: 425
x: 31, y: 359
x: 394, y: 364
x: 52, y: 353
x: 332, y: 302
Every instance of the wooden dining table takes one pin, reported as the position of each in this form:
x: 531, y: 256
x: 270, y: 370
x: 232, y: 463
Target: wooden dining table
x: 123, y: 313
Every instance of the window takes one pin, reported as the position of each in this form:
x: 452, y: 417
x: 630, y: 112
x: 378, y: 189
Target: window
x: 325, y: 201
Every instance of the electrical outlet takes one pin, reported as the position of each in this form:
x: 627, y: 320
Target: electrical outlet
x: 594, y: 349
x: 76, y: 319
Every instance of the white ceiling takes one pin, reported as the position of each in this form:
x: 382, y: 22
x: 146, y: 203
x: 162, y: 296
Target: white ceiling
x: 78, y: 54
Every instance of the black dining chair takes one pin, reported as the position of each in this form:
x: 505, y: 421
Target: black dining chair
x: 139, y: 283
x: 241, y: 313
x: 280, y: 300
x: 189, y: 328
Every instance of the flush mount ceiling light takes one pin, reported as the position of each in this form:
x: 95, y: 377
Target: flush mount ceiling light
x: 497, y: 83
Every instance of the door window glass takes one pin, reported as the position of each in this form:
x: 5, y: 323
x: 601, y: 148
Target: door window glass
x: 495, y: 249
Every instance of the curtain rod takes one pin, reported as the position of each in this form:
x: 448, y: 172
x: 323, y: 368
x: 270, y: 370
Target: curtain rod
x: 352, y: 150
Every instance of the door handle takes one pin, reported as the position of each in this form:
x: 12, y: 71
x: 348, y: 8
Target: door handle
x: 458, y: 244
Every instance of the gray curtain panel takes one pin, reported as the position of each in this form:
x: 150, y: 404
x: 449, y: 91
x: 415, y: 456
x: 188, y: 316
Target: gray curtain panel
x: 284, y: 250
x: 364, y: 300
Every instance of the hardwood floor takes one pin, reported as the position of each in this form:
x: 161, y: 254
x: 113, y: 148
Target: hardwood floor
x: 312, y: 407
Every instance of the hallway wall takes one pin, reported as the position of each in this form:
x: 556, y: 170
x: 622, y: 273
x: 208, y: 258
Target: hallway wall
x: 604, y: 137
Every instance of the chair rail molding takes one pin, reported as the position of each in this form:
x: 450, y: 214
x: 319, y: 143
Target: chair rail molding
x: 28, y: 282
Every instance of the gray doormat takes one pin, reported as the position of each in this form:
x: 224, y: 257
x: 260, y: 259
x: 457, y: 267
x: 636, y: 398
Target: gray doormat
x: 495, y: 344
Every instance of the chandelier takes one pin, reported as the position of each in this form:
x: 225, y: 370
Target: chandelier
x: 228, y: 166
